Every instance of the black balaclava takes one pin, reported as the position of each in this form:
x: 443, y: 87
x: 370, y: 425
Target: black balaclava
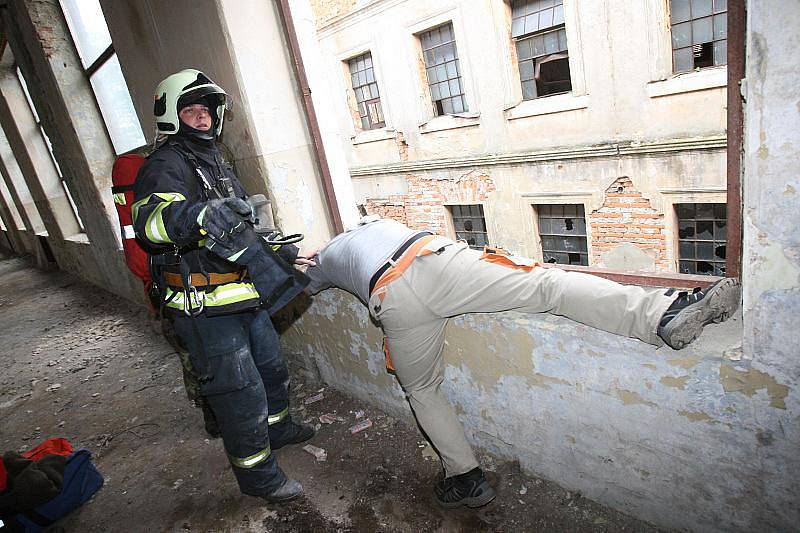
x: 193, y: 134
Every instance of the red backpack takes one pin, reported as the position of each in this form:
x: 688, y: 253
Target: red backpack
x: 123, y: 176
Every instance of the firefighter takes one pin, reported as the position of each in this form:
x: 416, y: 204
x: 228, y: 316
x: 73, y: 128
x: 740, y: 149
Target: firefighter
x: 220, y: 281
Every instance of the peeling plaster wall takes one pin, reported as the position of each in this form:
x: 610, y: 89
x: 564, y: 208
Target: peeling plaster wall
x: 683, y: 439
x: 771, y: 246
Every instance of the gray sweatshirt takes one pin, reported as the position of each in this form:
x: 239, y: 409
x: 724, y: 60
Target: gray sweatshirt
x: 351, y: 258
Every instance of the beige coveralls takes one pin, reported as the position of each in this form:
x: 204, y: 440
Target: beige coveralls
x: 437, y: 279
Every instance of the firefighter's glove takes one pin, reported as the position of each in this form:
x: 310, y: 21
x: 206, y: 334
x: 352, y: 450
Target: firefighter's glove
x: 34, y: 482
x: 275, y: 281
x: 224, y: 217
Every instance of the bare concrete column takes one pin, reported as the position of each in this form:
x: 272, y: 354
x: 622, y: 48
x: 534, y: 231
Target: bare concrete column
x: 17, y: 189
x: 32, y: 155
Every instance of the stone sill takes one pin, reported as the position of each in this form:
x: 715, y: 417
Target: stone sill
x: 79, y: 238
x: 547, y: 105
x: 450, y: 122
x: 710, y: 78
x: 644, y: 279
x: 371, y: 136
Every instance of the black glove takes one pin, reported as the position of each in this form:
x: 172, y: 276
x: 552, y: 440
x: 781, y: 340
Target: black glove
x: 219, y: 218
x: 276, y: 282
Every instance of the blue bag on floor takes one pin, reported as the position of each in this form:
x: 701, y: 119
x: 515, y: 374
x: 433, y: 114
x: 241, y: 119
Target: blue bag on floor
x: 81, y: 481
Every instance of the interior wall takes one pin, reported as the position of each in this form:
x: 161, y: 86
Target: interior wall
x: 771, y: 245
x: 240, y: 46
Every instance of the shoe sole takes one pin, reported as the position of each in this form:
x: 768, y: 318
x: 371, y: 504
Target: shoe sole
x: 478, y: 501
x: 719, y: 303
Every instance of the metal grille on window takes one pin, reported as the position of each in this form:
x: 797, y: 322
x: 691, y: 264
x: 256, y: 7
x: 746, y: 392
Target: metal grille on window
x: 537, y: 26
x: 470, y: 224
x: 362, y: 77
x: 699, y: 33
x: 443, y: 70
x: 702, y: 237
x: 563, y: 231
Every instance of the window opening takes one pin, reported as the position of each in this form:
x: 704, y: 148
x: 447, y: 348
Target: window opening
x: 470, y: 224
x: 90, y: 33
x: 368, y: 99
x: 537, y: 27
x: 702, y: 238
x: 562, y: 228
x: 49, y: 145
x: 443, y: 70
x: 699, y: 34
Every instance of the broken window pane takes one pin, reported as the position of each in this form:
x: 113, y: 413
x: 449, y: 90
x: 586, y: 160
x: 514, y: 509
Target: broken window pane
x: 701, y: 238
x: 538, y: 41
x: 699, y: 33
x: 469, y: 224
x: 562, y: 228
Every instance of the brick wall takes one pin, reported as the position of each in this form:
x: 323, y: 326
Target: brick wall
x: 394, y: 208
x: 423, y: 206
x: 628, y: 217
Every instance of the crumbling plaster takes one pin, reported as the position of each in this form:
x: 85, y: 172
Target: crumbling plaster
x: 690, y: 439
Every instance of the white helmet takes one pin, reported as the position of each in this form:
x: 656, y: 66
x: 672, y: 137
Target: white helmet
x: 183, y: 88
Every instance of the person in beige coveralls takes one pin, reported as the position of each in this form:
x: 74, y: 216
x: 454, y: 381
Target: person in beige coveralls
x: 413, y: 282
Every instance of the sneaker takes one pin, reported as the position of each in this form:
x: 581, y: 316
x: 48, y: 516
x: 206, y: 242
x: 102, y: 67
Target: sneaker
x: 470, y: 489
x: 685, y: 319
x: 290, y: 490
x: 293, y: 434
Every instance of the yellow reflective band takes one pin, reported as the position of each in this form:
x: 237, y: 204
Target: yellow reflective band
x: 168, y: 197
x: 227, y: 294
x: 277, y: 417
x: 237, y: 255
x: 154, y: 229
x: 119, y: 198
x: 251, y: 461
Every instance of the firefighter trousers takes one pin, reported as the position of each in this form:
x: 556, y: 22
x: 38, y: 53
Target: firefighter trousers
x: 244, y: 379
x: 453, y: 280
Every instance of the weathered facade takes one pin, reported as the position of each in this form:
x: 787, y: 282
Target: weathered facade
x: 625, y: 119
x: 702, y: 439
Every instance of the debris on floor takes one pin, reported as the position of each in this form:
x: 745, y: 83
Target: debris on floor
x: 164, y: 474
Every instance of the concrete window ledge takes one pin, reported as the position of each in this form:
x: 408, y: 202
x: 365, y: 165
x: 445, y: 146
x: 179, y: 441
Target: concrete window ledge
x: 547, y: 105
x: 710, y: 78
x: 80, y: 238
x: 450, y: 122
x: 371, y: 136
x: 642, y: 278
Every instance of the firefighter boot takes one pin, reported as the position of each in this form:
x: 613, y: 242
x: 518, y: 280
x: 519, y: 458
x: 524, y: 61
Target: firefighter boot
x: 289, y: 432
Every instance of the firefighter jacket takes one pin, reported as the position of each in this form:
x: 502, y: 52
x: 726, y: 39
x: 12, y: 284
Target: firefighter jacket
x: 170, y: 192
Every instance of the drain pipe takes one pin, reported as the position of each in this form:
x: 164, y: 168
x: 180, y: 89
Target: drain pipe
x: 311, y: 115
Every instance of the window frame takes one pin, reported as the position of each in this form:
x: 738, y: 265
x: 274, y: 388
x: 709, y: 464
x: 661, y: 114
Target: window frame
x: 354, y: 93
x: 691, y: 20
x: 92, y: 69
x: 451, y: 221
x: 537, y: 60
x: 438, y: 111
x: 713, y: 241
x: 540, y: 237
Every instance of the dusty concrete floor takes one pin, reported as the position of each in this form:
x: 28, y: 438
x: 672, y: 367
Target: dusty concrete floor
x: 81, y: 364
